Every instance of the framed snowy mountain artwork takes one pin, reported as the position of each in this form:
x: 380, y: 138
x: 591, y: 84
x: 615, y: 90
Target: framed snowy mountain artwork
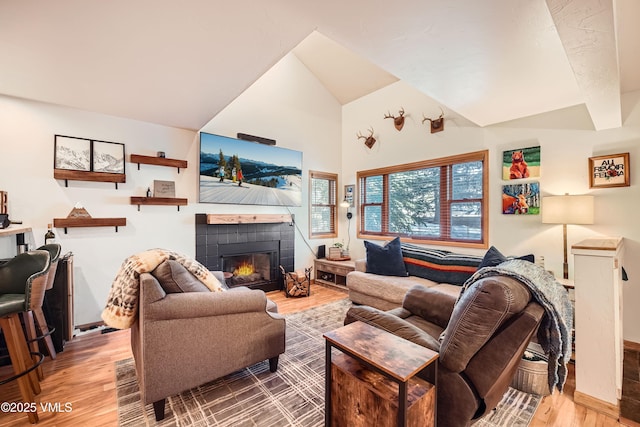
x: 107, y: 157
x: 242, y: 172
x: 88, y: 155
x: 72, y: 153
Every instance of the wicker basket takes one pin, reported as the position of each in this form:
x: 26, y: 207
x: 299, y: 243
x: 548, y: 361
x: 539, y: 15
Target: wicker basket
x: 531, y: 377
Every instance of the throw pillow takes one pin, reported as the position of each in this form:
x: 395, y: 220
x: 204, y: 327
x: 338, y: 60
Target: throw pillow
x: 438, y: 265
x: 174, y: 277
x: 494, y: 257
x: 385, y: 260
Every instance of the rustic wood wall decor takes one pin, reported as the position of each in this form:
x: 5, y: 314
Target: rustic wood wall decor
x: 369, y: 140
x: 398, y: 121
x: 437, y: 125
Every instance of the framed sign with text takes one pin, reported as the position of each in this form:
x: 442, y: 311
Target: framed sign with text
x: 611, y: 170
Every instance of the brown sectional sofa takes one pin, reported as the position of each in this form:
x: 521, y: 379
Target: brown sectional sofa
x: 480, y: 340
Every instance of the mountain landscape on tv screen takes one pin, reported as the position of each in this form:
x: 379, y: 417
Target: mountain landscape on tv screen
x: 254, y: 171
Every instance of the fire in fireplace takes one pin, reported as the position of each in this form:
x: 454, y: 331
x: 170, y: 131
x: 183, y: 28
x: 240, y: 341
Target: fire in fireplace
x: 218, y: 241
x: 247, y: 270
x: 253, y: 265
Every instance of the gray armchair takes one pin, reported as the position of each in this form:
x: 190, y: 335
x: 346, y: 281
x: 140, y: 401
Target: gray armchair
x: 185, y: 339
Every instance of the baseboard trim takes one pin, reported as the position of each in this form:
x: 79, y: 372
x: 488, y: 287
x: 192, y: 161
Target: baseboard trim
x: 88, y: 326
x: 630, y: 345
x: 606, y: 408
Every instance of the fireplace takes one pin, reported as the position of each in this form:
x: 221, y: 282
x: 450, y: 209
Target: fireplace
x: 254, y: 265
x: 248, y: 249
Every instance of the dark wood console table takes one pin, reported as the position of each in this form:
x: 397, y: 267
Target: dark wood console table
x: 377, y: 366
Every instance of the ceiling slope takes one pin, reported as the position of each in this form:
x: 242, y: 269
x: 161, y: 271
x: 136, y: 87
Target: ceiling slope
x: 180, y: 63
x: 587, y: 32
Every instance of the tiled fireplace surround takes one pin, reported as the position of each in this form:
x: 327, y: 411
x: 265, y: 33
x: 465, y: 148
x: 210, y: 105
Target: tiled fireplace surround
x: 244, y: 230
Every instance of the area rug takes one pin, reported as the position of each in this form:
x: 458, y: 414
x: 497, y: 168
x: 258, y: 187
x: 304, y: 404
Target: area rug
x: 292, y: 396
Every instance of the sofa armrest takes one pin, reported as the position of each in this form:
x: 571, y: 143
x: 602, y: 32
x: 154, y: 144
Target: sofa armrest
x: 206, y: 304
x: 501, y: 356
x: 393, y: 324
x: 483, y: 308
x: 361, y: 265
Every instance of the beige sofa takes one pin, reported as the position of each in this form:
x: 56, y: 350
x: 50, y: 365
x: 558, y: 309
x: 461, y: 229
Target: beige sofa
x: 188, y: 336
x: 387, y: 292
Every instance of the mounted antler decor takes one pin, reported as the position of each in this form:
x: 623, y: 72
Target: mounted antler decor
x: 437, y: 125
x: 368, y: 140
x: 398, y: 122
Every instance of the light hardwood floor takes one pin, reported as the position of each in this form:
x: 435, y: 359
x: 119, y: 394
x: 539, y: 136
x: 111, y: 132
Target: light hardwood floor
x: 82, y: 378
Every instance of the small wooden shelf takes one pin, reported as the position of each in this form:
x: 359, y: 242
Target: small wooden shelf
x: 89, y: 222
x: 159, y: 161
x: 165, y: 201
x: 333, y: 273
x: 88, y: 176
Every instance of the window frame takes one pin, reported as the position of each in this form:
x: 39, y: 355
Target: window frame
x: 334, y: 206
x: 445, y: 163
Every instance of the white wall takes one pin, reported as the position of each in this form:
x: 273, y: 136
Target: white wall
x: 567, y: 141
x: 27, y: 132
x: 290, y: 105
x: 287, y: 104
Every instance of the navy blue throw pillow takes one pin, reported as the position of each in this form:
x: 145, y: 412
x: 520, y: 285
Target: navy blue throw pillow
x: 385, y: 260
x: 494, y: 257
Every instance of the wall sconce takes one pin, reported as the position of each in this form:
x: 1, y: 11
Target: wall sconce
x: 567, y: 210
x: 345, y: 204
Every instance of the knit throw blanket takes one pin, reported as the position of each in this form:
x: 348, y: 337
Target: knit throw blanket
x: 121, y: 310
x: 554, y: 333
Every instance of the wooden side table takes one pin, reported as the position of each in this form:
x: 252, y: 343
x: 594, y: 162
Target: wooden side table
x: 376, y: 381
x: 333, y: 273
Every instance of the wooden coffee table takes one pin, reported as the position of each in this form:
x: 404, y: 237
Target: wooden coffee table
x: 372, y: 362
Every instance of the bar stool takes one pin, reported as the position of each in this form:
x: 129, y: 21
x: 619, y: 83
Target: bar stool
x: 54, y: 250
x: 18, y: 277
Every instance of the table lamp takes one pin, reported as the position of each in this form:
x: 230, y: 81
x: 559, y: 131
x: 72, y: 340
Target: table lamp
x: 567, y: 210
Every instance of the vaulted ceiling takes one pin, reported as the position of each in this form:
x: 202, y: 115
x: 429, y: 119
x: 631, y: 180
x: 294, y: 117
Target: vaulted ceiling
x: 180, y: 63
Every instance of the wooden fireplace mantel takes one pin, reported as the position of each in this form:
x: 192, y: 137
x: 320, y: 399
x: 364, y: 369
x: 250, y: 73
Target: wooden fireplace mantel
x: 247, y: 218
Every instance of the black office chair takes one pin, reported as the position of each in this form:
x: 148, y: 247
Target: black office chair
x: 22, y: 284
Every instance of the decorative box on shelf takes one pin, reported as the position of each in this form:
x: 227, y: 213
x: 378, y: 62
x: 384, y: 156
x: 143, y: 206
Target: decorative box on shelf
x: 336, y: 253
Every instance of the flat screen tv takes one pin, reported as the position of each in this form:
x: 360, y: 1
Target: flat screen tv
x: 248, y: 173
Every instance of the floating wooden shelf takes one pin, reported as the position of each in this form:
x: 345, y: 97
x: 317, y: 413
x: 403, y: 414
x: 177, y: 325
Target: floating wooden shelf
x: 165, y: 201
x: 159, y: 161
x: 247, y: 218
x: 89, y: 222
x: 88, y: 176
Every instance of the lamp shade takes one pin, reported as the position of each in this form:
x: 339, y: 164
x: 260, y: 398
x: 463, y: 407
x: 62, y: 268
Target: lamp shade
x: 567, y: 209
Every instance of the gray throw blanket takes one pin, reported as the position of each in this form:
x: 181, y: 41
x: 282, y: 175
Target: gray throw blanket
x: 554, y: 334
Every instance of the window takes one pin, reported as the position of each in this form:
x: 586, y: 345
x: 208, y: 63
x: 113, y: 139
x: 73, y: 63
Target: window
x: 323, y: 212
x: 440, y: 201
